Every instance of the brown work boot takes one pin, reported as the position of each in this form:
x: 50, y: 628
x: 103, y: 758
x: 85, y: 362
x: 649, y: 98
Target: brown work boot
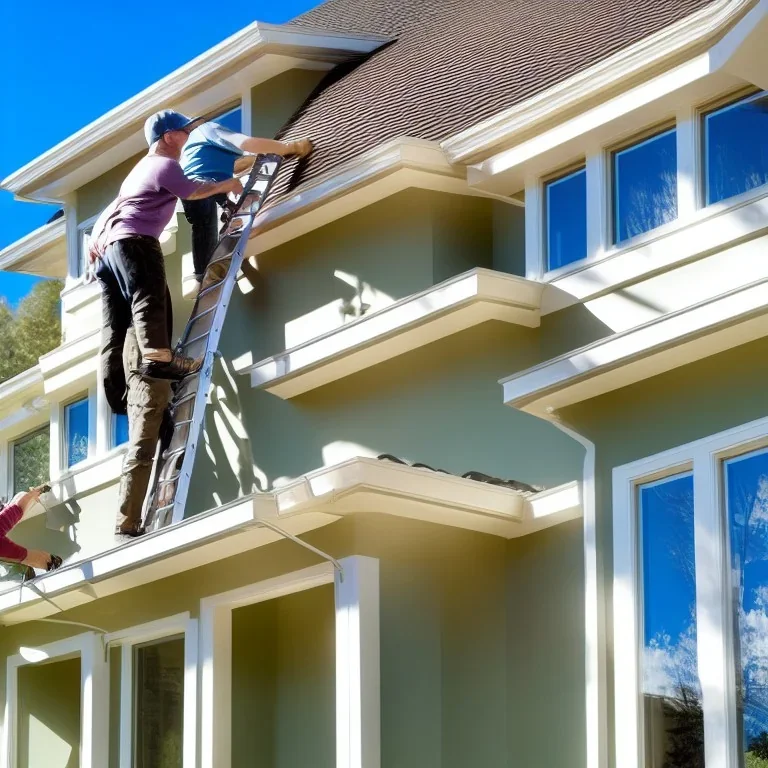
x: 176, y: 368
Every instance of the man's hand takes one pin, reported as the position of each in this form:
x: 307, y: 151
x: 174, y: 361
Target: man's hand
x: 235, y: 187
x: 94, y: 254
x: 26, y: 500
x: 37, y: 558
x: 299, y: 148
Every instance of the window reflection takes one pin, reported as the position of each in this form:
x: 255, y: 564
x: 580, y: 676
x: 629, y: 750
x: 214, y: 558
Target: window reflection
x: 736, y: 148
x: 31, y: 460
x: 120, y: 429
x: 746, y: 480
x: 645, y: 186
x: 566, y: 215
x: 673, y: 718
x: 76, y: 420
x: 233, y: 119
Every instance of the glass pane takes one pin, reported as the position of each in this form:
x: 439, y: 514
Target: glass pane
x: 159, y: 701
x: 566, y: 204
x: 76, y: 417
x: 120, y: 423
x: 747, y: 502
x: 645, y: 186
x: 673, y: 717
x: 736, y: 148
x: 232, y: 120
x: 31, y: 460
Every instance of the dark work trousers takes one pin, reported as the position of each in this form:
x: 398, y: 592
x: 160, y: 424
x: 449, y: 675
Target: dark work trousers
x: 134, y: 292
x: 203, y: 217
x: 148, y: 401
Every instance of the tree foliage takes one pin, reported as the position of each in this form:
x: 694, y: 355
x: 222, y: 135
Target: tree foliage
x: 32, y: 330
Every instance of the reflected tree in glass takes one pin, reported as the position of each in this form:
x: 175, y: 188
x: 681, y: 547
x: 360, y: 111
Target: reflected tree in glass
x: 746, y: 480
x: 31, y: 460
x: 673, y: 717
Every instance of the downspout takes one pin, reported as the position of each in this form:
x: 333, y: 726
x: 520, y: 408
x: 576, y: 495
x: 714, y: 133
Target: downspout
x: 594, y: 609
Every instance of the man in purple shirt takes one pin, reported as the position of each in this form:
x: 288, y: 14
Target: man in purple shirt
x: 130, y: 268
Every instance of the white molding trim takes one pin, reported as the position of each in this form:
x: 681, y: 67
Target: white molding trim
x: 94, y: 701
x: 41, y: 252
x: 126, y: 639
x: 72, y: 364
x: 252, y: 42
x: 24, y: 385
x: 673, y: 340
x: 357, y: 659
x: 714, y: 621
x: 446, y: 308
x: 647, y: 54
x: 358, y: 485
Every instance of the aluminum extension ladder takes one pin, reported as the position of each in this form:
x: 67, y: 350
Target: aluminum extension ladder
x: 176, y: 456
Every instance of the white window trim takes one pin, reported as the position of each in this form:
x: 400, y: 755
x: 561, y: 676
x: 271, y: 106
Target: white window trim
x: 59, y: 465
x: 7, y: 470
x: 81, y: 250
x: 94, y: 698
x: 714, y: 625
x: 358, y: 738
x: 692, y: 209
x: 126, y: 639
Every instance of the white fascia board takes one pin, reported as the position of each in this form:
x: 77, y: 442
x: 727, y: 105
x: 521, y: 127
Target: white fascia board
x: 647, y: 54
x: 22, y: 386
x: 677, y: 339
x: 71, y: 361
x: 444, y: 309
x: 399, y: 164
x: 314, y: 500
x: 254, y: 41
x: 41, y: 252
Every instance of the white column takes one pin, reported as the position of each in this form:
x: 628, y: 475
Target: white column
x: 126, y: 706
x: 6, y: 475
x: 688, y: 163
x: 94, y: 704
x: 189, y: 753
x: 535, y: 256
x: 10, y: 720
x: 246, y: 109
x: 358, y: 699
x: 72, y: 238
x: 216, y: 687
x: 598, y: 204
x: 95, y: 445
x: 57, y: 439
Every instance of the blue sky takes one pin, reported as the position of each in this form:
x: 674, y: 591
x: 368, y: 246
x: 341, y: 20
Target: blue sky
x: 65, y: 64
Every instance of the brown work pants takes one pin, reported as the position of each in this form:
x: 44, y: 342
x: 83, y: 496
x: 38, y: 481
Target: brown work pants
x: 148, y: 400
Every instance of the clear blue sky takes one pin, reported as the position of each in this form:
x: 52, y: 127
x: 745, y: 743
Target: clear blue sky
x: 64, y: 64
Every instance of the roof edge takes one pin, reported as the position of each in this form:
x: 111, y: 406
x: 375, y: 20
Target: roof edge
x: 475, y: 142
x: 325, y: 45
x: 36, y: 242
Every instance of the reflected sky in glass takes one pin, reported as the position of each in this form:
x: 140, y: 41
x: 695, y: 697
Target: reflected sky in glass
x: 76, y: 416
x: 736, y: 148
x: 566, y: 213
x: 121, y: 428
x: 644, y: 186
x: 232, y: 120
x: 746, y: 480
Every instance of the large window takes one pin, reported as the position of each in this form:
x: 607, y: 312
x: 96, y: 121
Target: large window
x: 566, y: 219
x: 76, y: 432
x: 159, y: 704
x: 644, y: 185
x: 672, y: 715
x: 736, y: 148
x: 232, y: 119
x: 690, y: 604
x: 31, y: 459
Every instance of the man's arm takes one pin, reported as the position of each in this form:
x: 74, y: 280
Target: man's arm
x: 209, y: 189
x: 256, y: 146
x: 174, y: 180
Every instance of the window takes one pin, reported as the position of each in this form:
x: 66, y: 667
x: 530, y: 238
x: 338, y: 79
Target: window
x: 746, y: 485
x: 31, y: 460
x: 673, y: 721
x: 232, y: 119
x: 159, y: 704
x: 736, y: 148
x: 566, y: 219
x: 644, y: 186
x: 84, y: 230
x: 119, y: 429
x: 76, y: 431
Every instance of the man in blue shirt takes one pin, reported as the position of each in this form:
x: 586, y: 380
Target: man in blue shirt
x: 210, y: 155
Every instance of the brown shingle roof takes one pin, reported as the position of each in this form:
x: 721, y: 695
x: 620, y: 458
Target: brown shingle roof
x: 457, y: 62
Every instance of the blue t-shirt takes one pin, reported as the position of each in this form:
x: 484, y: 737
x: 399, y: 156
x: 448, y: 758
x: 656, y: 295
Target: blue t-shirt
x: 210, y: 152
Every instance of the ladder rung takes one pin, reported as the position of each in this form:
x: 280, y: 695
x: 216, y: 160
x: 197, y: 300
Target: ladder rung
x: 175, y: 452
x: 182, y: 423
x: 202, y: 314
x: 197, y: 338
x: 184, y: 399
x: 209, y: 288
x: 171, y: 479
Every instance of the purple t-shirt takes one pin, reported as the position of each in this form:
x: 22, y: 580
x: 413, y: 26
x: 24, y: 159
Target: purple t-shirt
x: 148, y: 198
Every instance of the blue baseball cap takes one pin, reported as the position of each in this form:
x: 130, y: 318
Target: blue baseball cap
x: 167, y: 120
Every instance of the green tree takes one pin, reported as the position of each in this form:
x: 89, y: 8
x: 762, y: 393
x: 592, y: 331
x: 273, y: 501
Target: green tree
x: 33, y: 330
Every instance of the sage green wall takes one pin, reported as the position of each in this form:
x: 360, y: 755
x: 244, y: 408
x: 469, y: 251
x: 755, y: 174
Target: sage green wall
x: 279, y: 647
x: 508, y: 237
x: 49, y: 715
x: 692, y: 402
x: 93, y: 197
x: 275, y: 101
x: 481, y: 649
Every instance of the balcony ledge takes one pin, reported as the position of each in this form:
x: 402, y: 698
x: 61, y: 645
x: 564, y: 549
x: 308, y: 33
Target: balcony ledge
x: 447, y: 308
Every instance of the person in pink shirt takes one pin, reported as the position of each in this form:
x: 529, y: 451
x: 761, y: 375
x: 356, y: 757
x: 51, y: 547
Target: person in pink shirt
x: 10, y: 515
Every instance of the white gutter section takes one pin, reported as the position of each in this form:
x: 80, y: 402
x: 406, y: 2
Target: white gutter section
x: 650, y: 53
x: 359, y: 485
x: 42, y: 252
x: 216, y: 64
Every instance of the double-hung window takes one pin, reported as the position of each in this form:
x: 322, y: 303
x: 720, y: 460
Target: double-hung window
x: 76, y: 420
x: 30, y: 456
x: 735, y: 147
x: 691, y: 604
x: 565, y: 201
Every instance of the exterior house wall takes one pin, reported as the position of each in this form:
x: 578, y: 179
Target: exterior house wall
x: 465, y: 669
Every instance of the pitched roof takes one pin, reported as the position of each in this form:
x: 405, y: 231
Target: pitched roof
x: 455, y: 63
